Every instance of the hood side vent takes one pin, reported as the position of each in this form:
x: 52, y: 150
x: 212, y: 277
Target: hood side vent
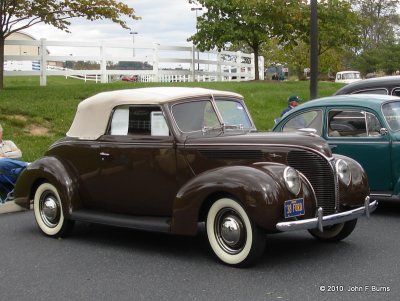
x: 241, y: 154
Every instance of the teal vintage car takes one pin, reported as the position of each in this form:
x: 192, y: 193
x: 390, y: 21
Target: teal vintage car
x: 365, y: 127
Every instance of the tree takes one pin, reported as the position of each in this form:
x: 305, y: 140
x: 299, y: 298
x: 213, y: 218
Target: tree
x: 16, y: 15
x: 379, y: 20
x: 379, y: 42
x: 252, y: 22
x: 338, y: 33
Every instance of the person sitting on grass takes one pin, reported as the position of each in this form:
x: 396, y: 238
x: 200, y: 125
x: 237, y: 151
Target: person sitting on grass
x: 10, y: 166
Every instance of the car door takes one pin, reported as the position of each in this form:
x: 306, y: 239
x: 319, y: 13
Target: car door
x: 138, y: 165
x: 355, y: 132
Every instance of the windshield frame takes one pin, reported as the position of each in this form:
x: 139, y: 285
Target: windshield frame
x: 221, y: 127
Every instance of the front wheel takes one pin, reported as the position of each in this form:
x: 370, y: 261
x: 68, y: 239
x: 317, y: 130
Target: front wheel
x: 49, y: 213
x: 336, y: 232
x: 233, y: 237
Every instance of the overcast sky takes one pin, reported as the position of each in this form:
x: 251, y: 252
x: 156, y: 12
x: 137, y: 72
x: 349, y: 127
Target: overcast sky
x: 163, y: 21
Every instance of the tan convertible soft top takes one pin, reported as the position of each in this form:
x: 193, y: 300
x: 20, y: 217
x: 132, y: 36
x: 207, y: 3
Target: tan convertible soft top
x: 93, y: 113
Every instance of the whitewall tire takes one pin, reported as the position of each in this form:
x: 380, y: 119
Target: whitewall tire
x: 233, y: 237
x: 336, y: 232
x: 48, y: 211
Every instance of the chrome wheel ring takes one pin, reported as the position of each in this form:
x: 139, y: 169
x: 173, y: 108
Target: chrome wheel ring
x: 50, y: 210
x: 230, y: 231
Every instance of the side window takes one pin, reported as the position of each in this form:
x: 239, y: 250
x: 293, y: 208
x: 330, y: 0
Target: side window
x: 373, y: 91
x: 352, y: 123
x: 396, y: 92
x: 373, y: 125
x: 309, y: 119
x: 138, y: 120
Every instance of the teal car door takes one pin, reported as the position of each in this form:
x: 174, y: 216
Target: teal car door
x: 355, y: 132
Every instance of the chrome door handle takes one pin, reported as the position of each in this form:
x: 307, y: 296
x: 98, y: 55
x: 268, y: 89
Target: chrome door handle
x: 332, y: 146
x: 102, y: 154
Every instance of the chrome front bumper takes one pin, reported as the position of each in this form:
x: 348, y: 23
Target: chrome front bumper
x: 321, y: 221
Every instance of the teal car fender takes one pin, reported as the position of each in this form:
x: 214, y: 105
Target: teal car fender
x: 260, y: 188
x: 54, y: 171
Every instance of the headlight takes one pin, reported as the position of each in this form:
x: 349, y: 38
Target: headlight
x: 292, y: 180
x: 343, y: 171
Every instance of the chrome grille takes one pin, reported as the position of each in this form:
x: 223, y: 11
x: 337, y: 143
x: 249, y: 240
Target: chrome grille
x: 320, y: 174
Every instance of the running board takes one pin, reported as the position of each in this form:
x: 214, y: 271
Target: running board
x: 147, y: 223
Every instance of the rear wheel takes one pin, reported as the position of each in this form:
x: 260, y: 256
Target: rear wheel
x: 233, y: 237
x: 335, y: 232
x: 49, y: 213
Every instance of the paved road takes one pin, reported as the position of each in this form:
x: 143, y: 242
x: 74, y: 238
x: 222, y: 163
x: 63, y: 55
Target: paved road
x: 107, y: 263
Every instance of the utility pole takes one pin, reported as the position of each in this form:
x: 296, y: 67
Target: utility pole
x: 133, y: 42
x: 314, y: 51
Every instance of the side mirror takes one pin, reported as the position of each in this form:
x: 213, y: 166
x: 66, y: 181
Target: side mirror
x: 383, y: 131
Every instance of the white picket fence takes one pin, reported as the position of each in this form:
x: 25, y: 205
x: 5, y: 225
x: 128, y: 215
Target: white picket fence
x: 169, y: 63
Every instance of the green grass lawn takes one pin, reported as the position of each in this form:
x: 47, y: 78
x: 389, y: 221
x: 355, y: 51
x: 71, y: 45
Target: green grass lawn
x: 27, y: 108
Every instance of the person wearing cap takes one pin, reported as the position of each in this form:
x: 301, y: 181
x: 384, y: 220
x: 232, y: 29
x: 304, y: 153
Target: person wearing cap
x: 293, y: 101
x: 10, y: 166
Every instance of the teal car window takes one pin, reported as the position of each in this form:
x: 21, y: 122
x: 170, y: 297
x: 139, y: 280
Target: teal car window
x: 373, y: 125
x: 391, y: 111
x: 352, y: 123
x: 310, y: 119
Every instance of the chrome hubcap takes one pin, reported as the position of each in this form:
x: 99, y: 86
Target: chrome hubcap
x: 50, y: 209
x: 230, y: 231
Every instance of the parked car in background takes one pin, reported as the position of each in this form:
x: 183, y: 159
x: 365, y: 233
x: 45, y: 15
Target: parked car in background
x: 364, y: 127
x: 347, y: 77
x: 130, y: 78
x: 386, y: 85
x: 165, y: 159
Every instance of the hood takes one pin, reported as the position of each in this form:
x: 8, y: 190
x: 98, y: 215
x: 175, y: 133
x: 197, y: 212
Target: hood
x: 292, y: 139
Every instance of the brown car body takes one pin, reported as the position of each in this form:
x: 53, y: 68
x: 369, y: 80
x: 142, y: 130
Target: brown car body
x: 168, y: 183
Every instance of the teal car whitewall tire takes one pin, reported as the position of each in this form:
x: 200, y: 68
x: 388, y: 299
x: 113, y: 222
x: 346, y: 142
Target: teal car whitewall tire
x: 336, y: 232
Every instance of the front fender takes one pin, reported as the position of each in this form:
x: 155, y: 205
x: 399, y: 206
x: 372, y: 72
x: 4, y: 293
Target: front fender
x: 259, y: 188
x: 358, y: 189
x: 53, y: 170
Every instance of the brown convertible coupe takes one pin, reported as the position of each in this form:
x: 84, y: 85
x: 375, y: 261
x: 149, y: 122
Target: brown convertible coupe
x: 166, y: 159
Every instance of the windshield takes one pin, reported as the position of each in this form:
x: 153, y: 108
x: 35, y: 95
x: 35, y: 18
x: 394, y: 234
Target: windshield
x: 391, y: 111
x: 201, y: 115
x: 351, y: 76
x: 233, y: 113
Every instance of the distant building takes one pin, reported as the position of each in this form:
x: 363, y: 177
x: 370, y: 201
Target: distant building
x: 22, y: 50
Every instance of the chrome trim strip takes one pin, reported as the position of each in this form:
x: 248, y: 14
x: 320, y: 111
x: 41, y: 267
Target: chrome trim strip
x: 323, y: 221
x: 381, y: 194
x: 342, y: 140
x: 309, y: 185
x: 258, y: 145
